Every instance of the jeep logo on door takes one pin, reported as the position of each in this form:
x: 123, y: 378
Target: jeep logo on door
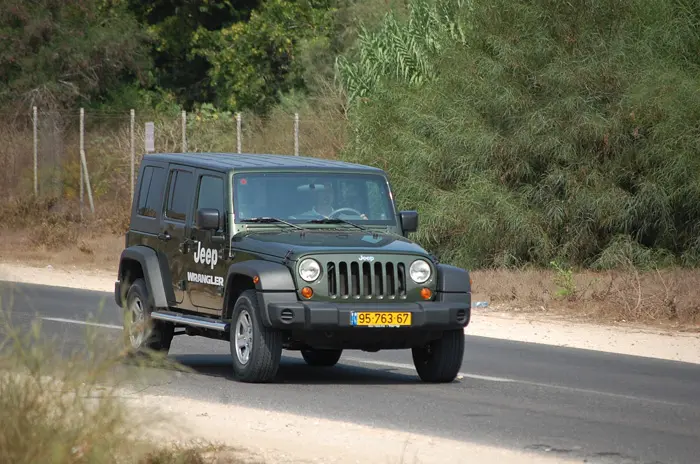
x: 366, y: 258
x: 206, y: 256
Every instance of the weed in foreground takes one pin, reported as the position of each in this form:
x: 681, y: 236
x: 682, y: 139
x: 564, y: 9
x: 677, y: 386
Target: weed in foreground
x: 69, y: 407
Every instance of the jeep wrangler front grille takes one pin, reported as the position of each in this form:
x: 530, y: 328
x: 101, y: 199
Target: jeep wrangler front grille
x: 366, y: 280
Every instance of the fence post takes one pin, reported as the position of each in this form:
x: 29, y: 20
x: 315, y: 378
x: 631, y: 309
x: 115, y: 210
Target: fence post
x: 83, y: 162
x: 296, y: 134
x: 133, y: 150
x: 238, y: 131
x: 184, y: 131
x: 36, y: 150
x: 82, y: 146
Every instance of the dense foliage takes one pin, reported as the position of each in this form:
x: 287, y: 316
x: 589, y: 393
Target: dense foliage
x: 532, y: 131
x: 241, y: 55
x: 524, y: 131
x: 253, y: 62
x: 56, y: 52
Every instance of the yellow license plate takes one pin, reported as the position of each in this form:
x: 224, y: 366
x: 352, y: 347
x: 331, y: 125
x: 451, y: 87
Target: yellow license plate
x: 380, y: 319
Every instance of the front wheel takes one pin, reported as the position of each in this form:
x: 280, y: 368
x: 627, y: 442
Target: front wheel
x: 439, y: 361
x: 325, y: 358
x: 256, y: 350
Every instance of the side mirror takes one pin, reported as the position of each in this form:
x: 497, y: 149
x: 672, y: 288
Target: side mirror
x: 208, y: 219
x: 409, y: 221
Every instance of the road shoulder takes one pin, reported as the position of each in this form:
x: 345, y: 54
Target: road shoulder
x: 271, y: 436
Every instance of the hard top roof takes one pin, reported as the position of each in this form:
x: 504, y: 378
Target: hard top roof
x: 253, y: 161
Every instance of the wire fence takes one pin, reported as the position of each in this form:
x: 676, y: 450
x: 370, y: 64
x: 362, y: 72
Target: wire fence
x: 90, y: 155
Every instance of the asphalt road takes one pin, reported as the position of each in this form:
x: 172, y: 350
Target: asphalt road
x: 598, y: 407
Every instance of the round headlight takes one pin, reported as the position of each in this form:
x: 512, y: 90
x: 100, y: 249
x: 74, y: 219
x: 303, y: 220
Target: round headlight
x: 420, y: 271
x: 309, y: 270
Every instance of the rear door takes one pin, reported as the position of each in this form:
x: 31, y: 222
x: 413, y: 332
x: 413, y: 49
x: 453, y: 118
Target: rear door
x: 207, y: 264
x: 175, y: 226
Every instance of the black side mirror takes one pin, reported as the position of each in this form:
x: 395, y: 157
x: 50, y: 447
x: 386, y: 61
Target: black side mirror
x: 208, y: 219
x: 409, y: 221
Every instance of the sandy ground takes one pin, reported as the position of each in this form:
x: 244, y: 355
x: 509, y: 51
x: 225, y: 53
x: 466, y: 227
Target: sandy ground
x: 274, y: 437
x: 490, y: 322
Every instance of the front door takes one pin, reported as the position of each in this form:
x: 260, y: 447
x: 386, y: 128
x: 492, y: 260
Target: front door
x: 207, y: 262
x: 176, y: 225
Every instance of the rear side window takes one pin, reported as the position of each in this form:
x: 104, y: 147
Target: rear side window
x: 179, y: 195
x: 149, y: 191
x: 211, y: 193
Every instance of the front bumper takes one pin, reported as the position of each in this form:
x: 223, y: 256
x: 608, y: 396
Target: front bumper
x: 452, y: 312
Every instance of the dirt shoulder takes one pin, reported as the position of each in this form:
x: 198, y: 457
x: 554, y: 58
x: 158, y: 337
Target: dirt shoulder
x: 275, y: 437
x: 497, y: 321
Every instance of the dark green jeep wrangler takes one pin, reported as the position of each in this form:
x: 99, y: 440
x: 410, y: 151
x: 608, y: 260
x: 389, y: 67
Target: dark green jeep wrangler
x: 275, y: 251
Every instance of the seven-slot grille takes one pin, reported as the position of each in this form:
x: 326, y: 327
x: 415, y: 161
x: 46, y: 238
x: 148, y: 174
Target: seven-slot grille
x: 355, y: 279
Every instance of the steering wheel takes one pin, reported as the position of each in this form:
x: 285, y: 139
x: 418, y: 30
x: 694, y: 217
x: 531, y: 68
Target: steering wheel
x: 334, y: 214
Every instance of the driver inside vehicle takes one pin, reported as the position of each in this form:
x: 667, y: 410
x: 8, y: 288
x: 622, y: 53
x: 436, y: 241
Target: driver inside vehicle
x: 324, y: 197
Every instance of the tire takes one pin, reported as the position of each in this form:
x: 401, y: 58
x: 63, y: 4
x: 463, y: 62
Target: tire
x: 147, y: 334
x: 440, y: 360
x: 261, y: 347
x: 325, y: 358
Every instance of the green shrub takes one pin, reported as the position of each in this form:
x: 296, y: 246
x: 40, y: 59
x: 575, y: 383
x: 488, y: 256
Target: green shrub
x: 544, y: 130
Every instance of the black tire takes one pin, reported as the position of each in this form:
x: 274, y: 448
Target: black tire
x: 325, y: 358
x: 265, y: 351
x: 158, y: 334
x: 440, y: 360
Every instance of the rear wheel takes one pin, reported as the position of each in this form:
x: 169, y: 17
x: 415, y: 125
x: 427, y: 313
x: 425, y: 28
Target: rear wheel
x: 256, y: 350
x: 439, y: 361
x: 324, y: 358
x: 145, y: 333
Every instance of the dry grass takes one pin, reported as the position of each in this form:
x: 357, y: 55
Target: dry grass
x: 49, y: 231
x: 669, y: 297
x: 69, y: 408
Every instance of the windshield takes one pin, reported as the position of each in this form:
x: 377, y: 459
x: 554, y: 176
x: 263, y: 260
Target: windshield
x: 299, y: 198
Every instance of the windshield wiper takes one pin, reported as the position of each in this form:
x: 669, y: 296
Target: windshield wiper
x: 270, y: 220
x: 335, y: 221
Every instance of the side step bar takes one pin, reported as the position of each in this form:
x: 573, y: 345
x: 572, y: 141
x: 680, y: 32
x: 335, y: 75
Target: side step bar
x: 194, y: 321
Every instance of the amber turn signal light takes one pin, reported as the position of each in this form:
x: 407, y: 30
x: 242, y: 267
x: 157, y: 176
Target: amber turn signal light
x: 306, y: 292
x: 426, y: 293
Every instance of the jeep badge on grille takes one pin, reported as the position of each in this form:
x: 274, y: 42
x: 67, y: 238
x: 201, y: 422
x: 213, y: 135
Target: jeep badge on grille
x: 366, y: 258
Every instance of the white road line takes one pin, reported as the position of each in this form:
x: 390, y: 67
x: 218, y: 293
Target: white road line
x: 522, y: 382
x: 411, y: 367
x: 71, y: 321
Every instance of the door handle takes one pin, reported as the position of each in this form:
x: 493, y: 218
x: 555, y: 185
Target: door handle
x: 165, y: 236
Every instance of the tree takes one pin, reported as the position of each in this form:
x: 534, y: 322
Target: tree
x: 173, y: 25
x: 253, y: 62
x: 57, y: 53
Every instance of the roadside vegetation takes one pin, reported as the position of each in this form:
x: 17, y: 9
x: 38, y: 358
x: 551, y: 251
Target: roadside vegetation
x: 71, y: 407
x: 548, y: 146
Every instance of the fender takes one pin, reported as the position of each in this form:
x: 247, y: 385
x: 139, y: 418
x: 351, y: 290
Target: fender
x: 274, y: 277
x: 275, y: 283
x: 152, y: 274
x: 452, y: 279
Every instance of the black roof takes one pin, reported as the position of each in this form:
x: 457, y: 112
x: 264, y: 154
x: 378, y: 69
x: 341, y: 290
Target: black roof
x: 245, y: 161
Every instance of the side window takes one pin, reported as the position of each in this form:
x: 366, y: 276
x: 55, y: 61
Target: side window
x: 211, y: 193
x: 149, y: 191
x: 179, y: 195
